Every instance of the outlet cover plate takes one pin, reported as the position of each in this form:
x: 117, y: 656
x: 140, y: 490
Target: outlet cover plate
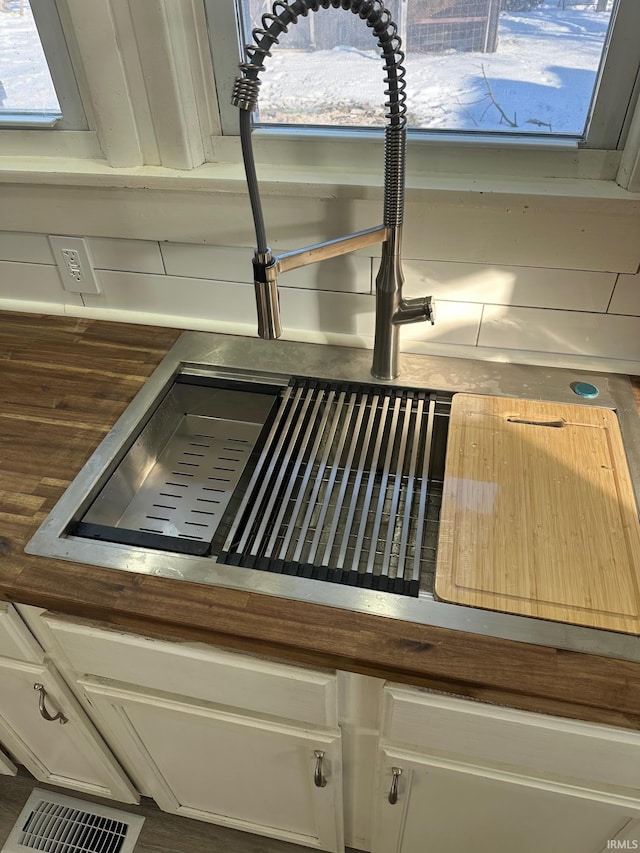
x: 75, y: 264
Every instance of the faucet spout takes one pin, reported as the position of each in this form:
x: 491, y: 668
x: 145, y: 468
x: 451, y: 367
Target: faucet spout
x: 267, y: 267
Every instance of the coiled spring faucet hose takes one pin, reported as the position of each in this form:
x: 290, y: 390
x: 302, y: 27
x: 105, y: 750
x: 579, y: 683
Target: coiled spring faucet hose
x: 246, y: 88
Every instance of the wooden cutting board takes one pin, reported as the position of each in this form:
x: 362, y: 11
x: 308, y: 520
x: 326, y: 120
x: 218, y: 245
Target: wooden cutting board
x: 538, y: 513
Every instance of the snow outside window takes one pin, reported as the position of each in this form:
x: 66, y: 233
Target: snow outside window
x: 37, y: 83
x: 560, y: 70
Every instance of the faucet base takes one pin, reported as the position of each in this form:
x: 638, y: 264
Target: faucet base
x: 385, y: 350
x: 392, y: 309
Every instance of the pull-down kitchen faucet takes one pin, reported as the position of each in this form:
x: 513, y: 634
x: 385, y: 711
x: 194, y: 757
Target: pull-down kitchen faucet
x: 392, y: 309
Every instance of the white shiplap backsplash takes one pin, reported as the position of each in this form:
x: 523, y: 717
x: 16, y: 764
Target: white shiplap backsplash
x: 499, y: 311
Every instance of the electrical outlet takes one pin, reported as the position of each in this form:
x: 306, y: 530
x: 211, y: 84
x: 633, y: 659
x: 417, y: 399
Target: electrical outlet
x: 75, y: 264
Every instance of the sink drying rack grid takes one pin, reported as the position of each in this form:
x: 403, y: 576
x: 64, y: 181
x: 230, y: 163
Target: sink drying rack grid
x: 347, y: 488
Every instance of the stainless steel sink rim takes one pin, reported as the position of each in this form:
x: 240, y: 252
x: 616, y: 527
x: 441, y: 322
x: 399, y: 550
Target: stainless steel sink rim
x: 224, y: 355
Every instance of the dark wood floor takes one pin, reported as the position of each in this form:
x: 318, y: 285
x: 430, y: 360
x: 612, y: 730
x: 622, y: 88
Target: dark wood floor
x: 161, y: 832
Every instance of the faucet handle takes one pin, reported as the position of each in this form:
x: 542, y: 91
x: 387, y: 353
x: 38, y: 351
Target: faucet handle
x: 415, y: 311
x: 431, y: 309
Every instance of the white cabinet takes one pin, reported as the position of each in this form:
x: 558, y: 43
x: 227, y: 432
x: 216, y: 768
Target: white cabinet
x: 219, y: 736
x: 16, y: 642
x: 311, y: 756
x: 458, y: 807
x: 456, y: 775
x: 249, y: 773
x: 7, y: 767
x: 70, y: 753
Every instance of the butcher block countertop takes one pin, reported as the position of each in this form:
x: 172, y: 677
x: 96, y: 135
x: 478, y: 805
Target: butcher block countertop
x: 65, y: 381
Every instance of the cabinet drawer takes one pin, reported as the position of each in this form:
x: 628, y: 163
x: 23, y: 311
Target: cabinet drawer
x: 520, y: 741
x: 16, y: 641
x: 200, y: 672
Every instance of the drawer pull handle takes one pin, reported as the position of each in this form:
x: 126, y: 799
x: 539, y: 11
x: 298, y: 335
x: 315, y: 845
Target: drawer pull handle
x: 396, y: 773
x: 318, y: 778
x: 50, y: 718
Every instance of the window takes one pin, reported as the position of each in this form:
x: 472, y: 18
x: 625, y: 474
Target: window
x: 512, y: 70
x: 37, y: 83
x: 150, y: 98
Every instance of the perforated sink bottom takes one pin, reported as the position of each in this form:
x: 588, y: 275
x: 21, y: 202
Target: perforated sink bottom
x: 187, y: 490
x: 173, y: 486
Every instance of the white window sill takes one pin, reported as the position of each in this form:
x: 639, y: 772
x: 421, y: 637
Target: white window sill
x: 592, y: 181
x: 48, y: 145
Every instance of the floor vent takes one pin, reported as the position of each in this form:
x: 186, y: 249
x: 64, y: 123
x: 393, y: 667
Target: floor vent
x: 59, y: 824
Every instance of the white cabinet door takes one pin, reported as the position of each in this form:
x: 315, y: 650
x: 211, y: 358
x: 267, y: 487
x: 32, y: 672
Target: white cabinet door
x: 15, y: 640
x: 245, y: 772
x: 7, y: 767
x: 72, y: 754
x: 443, y: 805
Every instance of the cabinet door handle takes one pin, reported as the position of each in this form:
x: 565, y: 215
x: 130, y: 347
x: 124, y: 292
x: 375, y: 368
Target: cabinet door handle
x: 318, y: 778
x: 50, y: 718
x: 396, y: 773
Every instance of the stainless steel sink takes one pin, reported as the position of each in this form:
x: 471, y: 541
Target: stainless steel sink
x: 278, y: 479
x: 328, y: 480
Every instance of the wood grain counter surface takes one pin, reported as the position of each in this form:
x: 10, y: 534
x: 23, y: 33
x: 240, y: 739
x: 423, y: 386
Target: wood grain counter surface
x: 64, y: 383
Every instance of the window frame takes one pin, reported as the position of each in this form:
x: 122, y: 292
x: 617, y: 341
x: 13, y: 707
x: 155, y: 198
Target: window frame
x: 609, y: 118
x: 618, y: 88
x: 145, y: 78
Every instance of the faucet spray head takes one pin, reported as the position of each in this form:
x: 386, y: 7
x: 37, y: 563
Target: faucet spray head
x: 265, y: 282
